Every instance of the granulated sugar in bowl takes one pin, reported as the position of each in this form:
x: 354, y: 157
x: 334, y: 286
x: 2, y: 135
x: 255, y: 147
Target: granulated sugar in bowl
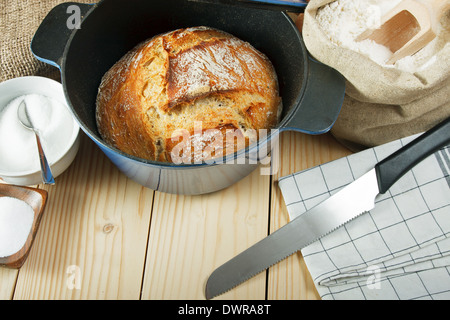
x: 19, y: 161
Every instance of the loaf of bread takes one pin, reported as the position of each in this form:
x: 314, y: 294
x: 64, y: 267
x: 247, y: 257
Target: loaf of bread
x: 186, y: 96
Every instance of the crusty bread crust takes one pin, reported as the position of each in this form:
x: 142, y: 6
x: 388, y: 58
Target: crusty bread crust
x: 152, y: 101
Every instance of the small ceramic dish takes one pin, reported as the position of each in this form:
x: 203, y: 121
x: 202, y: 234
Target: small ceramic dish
x: 37, y: 199
x: 15, y: 88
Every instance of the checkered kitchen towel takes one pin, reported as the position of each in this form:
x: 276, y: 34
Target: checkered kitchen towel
x: 398, y: 250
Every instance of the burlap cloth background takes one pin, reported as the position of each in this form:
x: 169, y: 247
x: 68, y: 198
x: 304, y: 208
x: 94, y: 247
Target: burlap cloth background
x: 19, y: 19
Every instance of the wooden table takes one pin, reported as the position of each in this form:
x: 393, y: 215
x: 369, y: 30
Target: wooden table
x: 103, y: 236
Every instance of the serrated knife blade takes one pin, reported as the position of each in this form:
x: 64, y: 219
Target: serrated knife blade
x: 345, y: 205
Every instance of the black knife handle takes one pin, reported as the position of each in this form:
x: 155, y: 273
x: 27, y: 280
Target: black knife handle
x: 396, y: 165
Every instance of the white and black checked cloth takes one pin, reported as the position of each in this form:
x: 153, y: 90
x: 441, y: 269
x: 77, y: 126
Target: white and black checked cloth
x: 398, y: 250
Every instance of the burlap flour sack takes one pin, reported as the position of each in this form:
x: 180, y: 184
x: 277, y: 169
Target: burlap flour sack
x: 19, y: 21
x: 381, y: 104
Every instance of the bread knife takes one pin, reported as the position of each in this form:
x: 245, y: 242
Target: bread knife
x: 351, y: 201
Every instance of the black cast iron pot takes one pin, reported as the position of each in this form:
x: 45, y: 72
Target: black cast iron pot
x: 312, y: 93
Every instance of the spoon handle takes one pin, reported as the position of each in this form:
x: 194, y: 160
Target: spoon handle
x: 47, y: 176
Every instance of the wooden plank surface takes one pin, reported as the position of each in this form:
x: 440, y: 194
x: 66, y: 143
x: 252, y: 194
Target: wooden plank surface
x: 192, y: 235
x: 8, y: 279
x: 105, y: 237
x: 92, y: 240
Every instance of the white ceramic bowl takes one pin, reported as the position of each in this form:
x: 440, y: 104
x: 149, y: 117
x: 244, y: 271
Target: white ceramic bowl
x: 14, y: 88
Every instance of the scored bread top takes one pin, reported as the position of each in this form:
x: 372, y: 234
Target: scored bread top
x: 169, y: 92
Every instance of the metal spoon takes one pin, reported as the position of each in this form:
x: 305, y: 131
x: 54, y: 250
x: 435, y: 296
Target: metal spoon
x: 24, y: 118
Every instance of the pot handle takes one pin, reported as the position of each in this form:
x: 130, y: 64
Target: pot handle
x: 50, y: 39
x: 321, y: 102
